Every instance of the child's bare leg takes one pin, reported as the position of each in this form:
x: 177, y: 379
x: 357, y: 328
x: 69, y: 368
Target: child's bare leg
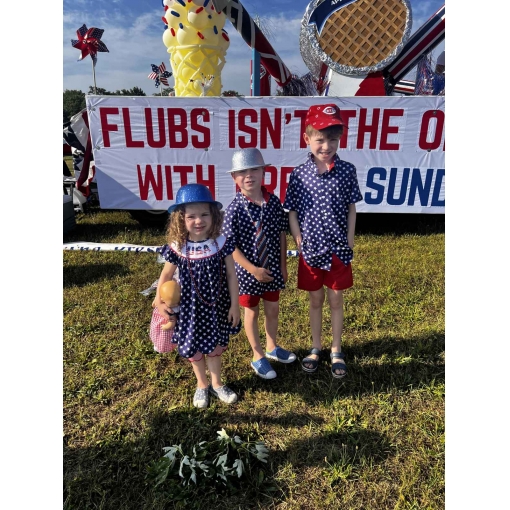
x: 251, y: 327
x: 214, y: 366
x: 271, y: 311
x: 200, y: 373
x: 316, y: 302
x: 336, y: 304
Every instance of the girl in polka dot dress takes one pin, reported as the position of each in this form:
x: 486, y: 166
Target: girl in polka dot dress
x: 257, y: 223
x: 209, y: 307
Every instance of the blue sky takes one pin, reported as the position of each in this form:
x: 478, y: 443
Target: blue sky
x: 133, y: 34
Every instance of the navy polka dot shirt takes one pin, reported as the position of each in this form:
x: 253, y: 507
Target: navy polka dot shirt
x: 238, y: 226
x: 322, y: 204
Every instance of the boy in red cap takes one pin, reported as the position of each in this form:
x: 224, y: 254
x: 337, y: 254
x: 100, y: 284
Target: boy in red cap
x: 321, y: 198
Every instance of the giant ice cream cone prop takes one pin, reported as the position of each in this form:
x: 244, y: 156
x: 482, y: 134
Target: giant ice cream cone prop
x: 197, y: 45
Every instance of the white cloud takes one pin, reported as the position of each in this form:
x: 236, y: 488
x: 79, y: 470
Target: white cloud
x: 135, y: 42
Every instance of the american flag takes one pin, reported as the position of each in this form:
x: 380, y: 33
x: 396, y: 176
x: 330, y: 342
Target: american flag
x: 77, y: 135
x: 428, y: 82
x: 160, y: 74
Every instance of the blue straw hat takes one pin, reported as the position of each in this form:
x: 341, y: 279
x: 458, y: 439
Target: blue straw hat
x: 192, y: 194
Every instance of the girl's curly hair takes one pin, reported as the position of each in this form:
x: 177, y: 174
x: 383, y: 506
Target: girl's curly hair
x: 176, y: 227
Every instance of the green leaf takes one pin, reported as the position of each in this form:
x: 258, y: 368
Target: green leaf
x: 238, y: 464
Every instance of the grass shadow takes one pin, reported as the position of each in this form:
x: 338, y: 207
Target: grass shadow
x: 384, y: 364
x: 108, y: 472
x: 81, y: 275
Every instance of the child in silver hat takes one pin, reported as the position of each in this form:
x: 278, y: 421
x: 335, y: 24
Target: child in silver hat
x: 257, y: 223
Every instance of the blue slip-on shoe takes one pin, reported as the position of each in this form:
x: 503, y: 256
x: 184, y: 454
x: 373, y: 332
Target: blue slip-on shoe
x: 281, y: 355
x: 263, y: 369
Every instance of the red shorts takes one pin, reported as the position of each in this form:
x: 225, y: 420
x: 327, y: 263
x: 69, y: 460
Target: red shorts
x: 252, y: 301
x: 313, y: 278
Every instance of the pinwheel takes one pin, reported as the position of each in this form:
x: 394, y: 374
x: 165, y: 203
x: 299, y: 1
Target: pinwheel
x: 89, y: 43
x: 160, y: 74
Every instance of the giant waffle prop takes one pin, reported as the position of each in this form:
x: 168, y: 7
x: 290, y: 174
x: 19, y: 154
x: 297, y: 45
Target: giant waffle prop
x: 354, y: 37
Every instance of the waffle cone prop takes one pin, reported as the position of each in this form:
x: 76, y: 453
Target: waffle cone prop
x: 170, y: 294
x: 197, y: 44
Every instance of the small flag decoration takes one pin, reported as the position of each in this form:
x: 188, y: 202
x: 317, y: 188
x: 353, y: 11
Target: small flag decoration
x: 428, y: 82
x: 160, y: 74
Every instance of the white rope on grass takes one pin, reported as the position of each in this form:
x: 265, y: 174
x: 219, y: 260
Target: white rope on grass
x: 85, y: 246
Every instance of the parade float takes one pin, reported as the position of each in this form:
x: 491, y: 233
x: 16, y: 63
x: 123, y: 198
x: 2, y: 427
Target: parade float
x: 358, y: 54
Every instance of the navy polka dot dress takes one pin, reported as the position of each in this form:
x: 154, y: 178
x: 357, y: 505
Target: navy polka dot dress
x: 322, y: 204
x: 201, y: 327
x: 238, y: 225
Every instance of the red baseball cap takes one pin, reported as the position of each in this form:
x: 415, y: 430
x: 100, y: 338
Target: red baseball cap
x: 323, y: 115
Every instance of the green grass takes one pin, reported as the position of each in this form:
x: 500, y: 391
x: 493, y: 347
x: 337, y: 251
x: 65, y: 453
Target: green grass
x: 372, y: 441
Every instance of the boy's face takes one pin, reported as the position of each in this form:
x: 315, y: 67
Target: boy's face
x: 322, y: 146
x: 249, y: 180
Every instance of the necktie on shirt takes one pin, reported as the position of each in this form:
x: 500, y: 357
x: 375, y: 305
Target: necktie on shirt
x: 261, y: 241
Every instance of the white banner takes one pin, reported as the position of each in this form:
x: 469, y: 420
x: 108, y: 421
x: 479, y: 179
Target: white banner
x: 146, y: 148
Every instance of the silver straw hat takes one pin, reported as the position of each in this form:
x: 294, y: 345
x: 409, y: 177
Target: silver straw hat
x: 247, y: 158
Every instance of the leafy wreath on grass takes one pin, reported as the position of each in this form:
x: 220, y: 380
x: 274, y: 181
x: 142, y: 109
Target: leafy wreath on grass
x: 223, y: 463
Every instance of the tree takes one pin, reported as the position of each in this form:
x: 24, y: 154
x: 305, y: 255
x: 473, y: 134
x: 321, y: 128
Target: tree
x: 74, y: 102
x: 166, y: 91
x: 135, y: 91
x: 99, y: 91
x: 231, y: 93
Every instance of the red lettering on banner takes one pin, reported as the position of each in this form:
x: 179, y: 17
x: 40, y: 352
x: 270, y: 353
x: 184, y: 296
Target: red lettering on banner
x: 105, y: 127
x: 301, y: 115
x: 150, y: 130
x: 386, y: 129
x: 196, y: 113
x: 156, y: 183
x: 231, y: 129
x: 175, y: 128
x: 150, y: 179
x: 183, y: 170
x: 210, y: 182
x: 285, y: 172
x: 426, y: 120
x: 346, y: 115
x: 169, y: 187
x: 266, y: 127
x: 127, y: 130
x: 251, y: 115
x: 371, y: 129
x: 273, y: 179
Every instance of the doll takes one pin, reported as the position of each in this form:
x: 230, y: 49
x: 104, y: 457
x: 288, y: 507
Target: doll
x: 170, y: 293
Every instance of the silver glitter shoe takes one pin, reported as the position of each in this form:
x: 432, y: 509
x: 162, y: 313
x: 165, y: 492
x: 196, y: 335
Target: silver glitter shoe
x: 201, y: 398
x: 224, y: 393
